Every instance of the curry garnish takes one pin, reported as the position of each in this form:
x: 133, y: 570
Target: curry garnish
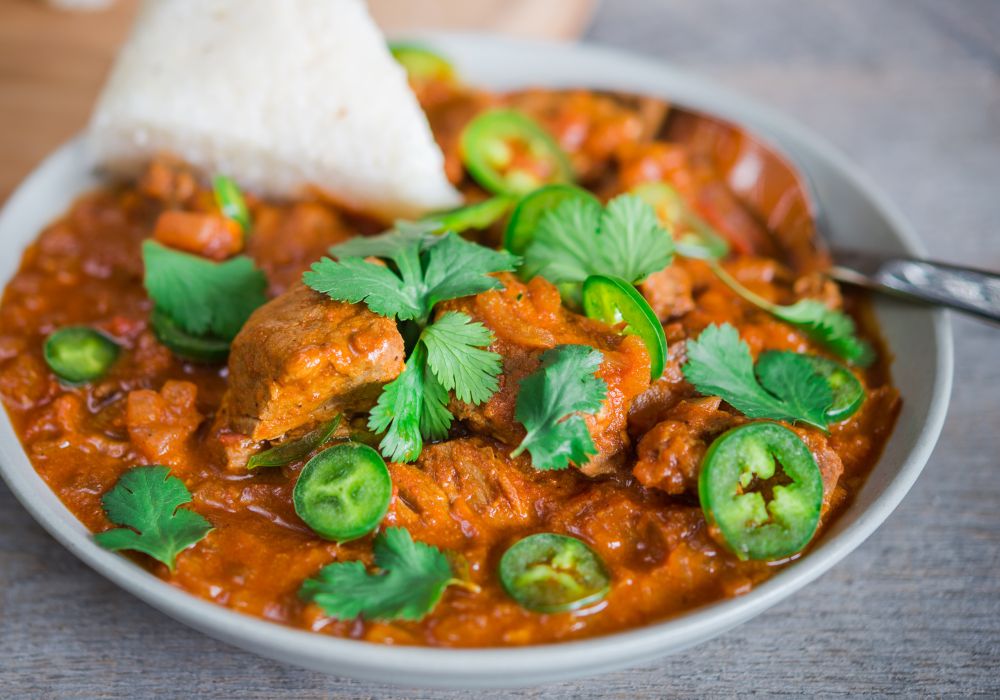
x: 761, y: 491
x: 202, y: 297
x: 829, y: 327
x: 446, y: 355
x: 783, y: 386
x: 294, y: 450
x: 411, y: 580
x: 230, y: 201
x: 579, y: 238
x: 549, y: 402
x: 146, y: 501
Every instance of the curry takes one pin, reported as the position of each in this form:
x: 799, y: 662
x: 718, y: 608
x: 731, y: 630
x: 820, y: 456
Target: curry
x: 619, y: 510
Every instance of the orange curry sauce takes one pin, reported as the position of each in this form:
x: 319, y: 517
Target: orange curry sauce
x: 464, y: 495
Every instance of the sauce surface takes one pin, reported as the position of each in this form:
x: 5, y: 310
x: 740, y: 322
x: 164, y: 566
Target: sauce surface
x: 466, y: 495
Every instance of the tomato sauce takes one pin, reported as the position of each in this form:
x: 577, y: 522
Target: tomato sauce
x: 466, y: 494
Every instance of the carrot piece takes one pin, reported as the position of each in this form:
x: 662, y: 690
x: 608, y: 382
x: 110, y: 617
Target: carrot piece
x: 209, y: 235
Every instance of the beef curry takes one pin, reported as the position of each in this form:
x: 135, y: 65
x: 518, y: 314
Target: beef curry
x: 533, y: 523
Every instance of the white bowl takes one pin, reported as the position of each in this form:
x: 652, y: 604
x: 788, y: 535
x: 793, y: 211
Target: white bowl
x: 858, y: 214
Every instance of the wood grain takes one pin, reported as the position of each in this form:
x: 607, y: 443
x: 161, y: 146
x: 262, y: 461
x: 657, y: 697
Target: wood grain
x: 910, y: 89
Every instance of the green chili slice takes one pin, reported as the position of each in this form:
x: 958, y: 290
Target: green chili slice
x: 693, y: 236
x: 848, y: 392
x: 549, y: 573
x: 473, y: 216
x: 206, y: 349
x: 759, y: 513
x: 614, y: 301
x: 79, y: 354
x: 294, y: 450
x: 531, y: 208
x: 343, y: 492
x: 509, y: 153
x: 230, y: 201
x: 421, y: 63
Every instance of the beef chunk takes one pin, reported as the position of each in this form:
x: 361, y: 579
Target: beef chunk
x: 470, y: 488
x: 303, y: 358
x: 529, y: 319
x: 669, y: 455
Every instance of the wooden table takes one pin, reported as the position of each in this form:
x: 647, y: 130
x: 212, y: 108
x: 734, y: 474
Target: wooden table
x: 910, y: 89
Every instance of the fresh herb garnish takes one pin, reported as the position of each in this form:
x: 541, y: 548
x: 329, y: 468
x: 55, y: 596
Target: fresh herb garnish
x: 294, y: 450
x: 202, y: 297
x: 550, y: 399
x: 785, y: 386
x: 832, y: 328
x: 579, y: 238
x: 146, y: 501
x: 412, y: 579
x: 446, y: 355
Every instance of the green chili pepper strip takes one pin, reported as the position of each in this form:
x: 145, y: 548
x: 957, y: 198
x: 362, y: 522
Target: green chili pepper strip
x: 480, y: 215
x: 294, y: 450
x: 551, y: 573
x: 490, y: 142
x: 343, y: 492
x: 759, y: 513
x: 613, y: 300
x: 79, y: 354
x: 230, y: 201
x: 206, y: 349
x: 531, y: 208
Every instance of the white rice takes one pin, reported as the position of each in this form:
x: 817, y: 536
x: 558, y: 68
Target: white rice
x: 281, y: 95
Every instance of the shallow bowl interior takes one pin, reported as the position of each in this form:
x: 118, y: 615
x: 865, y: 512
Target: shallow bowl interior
x: 858, y: 215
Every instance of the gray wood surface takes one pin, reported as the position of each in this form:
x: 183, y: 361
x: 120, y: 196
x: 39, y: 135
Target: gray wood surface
x: 910, y: 89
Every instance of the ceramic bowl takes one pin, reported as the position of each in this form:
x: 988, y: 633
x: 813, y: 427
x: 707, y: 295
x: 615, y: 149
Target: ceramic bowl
x: 857, y: 215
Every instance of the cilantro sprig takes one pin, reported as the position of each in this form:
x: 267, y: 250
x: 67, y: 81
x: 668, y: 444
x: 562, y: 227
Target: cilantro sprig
x: 146, y: 501
x: 447, y: 355
x: 830, y: 327
x: 204, y: 298
x: 783, y: 386
x: 579, y: 238
x: 549, y: 402
x: 412, y: 580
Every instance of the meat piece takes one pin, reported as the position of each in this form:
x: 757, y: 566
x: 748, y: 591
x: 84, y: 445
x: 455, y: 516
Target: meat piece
x: 161, y: 423
x: 209, y: 235
x: 528, y: 319
x: 668, y: 292
x: 669, y: 455
x: 303, y: 358
x: 829, y: 463
x: 469, y: 489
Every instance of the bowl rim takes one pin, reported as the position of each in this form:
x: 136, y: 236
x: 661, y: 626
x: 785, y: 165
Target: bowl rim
x: 509, y: 666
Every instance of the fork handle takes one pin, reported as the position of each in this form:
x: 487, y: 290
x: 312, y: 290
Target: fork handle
x: 975, y: 292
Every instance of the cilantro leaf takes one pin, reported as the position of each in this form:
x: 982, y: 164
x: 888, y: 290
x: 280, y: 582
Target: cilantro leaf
x: 294, y: 450
x: 411, y: 582
x: 550, y: 398
x: 354, y: 280
x: 201, y: 296
x: 396, y: 241
x: 455, y: 356
x: 398, y: 411
x: 579, y: 238
x: 789, y: 389
x: 429, y: 269
x: 147, y: 500
x: 457, y: 268
x: 435, y: 418
x: 830, y: 327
